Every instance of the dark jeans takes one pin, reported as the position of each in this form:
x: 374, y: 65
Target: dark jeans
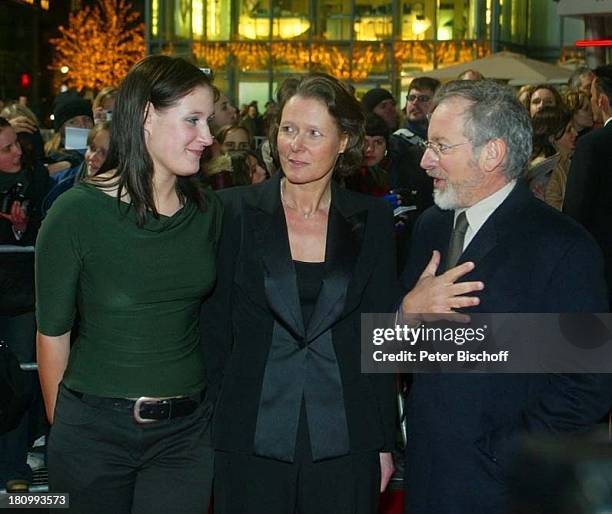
x: 110, y: 464
x: 19, y: 332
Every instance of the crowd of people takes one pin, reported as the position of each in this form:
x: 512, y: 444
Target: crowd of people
x: 200, y: 274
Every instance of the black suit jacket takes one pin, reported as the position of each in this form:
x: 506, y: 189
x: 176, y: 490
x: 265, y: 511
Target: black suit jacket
x: 463, y: 429
x: 588, y: 194
x: 256, y: 296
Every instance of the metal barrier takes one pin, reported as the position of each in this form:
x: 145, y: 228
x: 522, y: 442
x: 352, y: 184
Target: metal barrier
x: 16, y: 249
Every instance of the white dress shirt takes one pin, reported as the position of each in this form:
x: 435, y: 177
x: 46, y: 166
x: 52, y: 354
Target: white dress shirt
x: 479, y: 213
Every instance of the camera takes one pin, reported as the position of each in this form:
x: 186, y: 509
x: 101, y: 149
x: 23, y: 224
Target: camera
x: 8, y: 196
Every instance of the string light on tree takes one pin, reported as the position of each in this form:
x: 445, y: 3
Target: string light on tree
x: 99, y: 45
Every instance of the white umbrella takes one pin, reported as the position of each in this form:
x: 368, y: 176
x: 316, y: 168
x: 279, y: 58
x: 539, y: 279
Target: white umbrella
x: 515, y: 68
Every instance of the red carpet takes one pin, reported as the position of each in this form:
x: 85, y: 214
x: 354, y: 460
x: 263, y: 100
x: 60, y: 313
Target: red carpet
x: 392, y: 502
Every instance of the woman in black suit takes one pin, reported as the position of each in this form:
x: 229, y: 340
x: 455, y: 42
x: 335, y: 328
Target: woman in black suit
x: 298, y: 427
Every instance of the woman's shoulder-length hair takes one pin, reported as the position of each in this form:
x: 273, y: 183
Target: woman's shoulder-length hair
x: 342, y: 106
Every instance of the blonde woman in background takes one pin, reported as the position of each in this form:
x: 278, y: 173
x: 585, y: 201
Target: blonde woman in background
x: 103, y: 104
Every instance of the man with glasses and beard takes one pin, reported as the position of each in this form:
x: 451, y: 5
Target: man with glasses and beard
x: 488, y: 246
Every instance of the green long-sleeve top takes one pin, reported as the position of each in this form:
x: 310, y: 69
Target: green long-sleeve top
x: 137, y: 292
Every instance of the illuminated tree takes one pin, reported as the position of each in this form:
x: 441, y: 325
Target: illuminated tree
x: 100, y: 44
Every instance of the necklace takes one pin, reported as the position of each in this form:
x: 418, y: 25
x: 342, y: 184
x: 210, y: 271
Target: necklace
x: 307, y: 215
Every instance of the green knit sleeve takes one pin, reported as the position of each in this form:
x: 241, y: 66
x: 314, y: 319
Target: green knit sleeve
x: 58, y: 264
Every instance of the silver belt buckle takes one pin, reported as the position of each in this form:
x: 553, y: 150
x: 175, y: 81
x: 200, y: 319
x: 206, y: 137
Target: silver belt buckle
x: 137, y: 404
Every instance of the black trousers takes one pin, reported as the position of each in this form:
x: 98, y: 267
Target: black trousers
x: 247, y: 484
x: 109, y: 464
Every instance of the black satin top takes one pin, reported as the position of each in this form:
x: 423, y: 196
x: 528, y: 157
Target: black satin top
x: 309, y: 277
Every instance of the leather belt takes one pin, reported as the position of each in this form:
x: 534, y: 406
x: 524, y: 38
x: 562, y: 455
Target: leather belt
x: 146, y: 409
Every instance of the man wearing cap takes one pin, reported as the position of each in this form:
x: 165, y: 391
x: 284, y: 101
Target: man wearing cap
x: 381, y: 102
x: 69, y: 110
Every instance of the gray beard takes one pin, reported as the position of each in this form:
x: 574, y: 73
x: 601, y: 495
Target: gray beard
x: 446, y: 200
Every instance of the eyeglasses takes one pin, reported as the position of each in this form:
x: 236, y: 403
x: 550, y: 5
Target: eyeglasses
x: 418, y: 98
x: 440, y: 148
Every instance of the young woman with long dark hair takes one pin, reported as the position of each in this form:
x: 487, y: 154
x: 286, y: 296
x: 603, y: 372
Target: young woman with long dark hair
x: 131, y: 250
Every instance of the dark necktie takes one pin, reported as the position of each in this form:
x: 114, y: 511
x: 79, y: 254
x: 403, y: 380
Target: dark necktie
x: 455, y: 245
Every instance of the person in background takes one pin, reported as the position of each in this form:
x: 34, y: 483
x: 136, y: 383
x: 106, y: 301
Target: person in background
x: 267, y: 158
x: 26, y: 125
x: 253, y: 121
x: 242, y: 112
x: 379, y: 101
x: 523, y: 95
x: 225, y: 113
x: 23, y: 184
x: 554, y: 140
x: 257, y: 168
x: 581, y: 113
x: 98, y: 142
x: 103, y: 105
x: 543, y: 95
x: 21, y: 117
x: 550, y: 125
x: 581, y: 79
x: 300, y: 259
x: 218, y: 172
x: 406, y: 147
x: 371, y: 178
x: 470, y: 75
x: 418, y: 104
x: 588, y: 195
x: 236, y: 168
x: 70, y: 111
x: 132, y: 251
x: 565, y: 144
x: 233, y: 137
x: 579, y: 105
x: 240, y: 168
x: 597, y: 100
x: 268, y: 115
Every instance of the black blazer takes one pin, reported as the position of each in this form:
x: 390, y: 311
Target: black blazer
x: 256, y: 293
x: 588, y: 194
x: 463, y: 429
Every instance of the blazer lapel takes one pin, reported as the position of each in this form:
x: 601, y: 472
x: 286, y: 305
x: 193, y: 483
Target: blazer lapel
x: 484, y: 241
x: 268, y: 225
x: 345, y: 233
x: 501, y: 219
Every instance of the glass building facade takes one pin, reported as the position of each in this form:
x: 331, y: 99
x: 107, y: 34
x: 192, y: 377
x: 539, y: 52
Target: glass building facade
x: 253, y: 45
